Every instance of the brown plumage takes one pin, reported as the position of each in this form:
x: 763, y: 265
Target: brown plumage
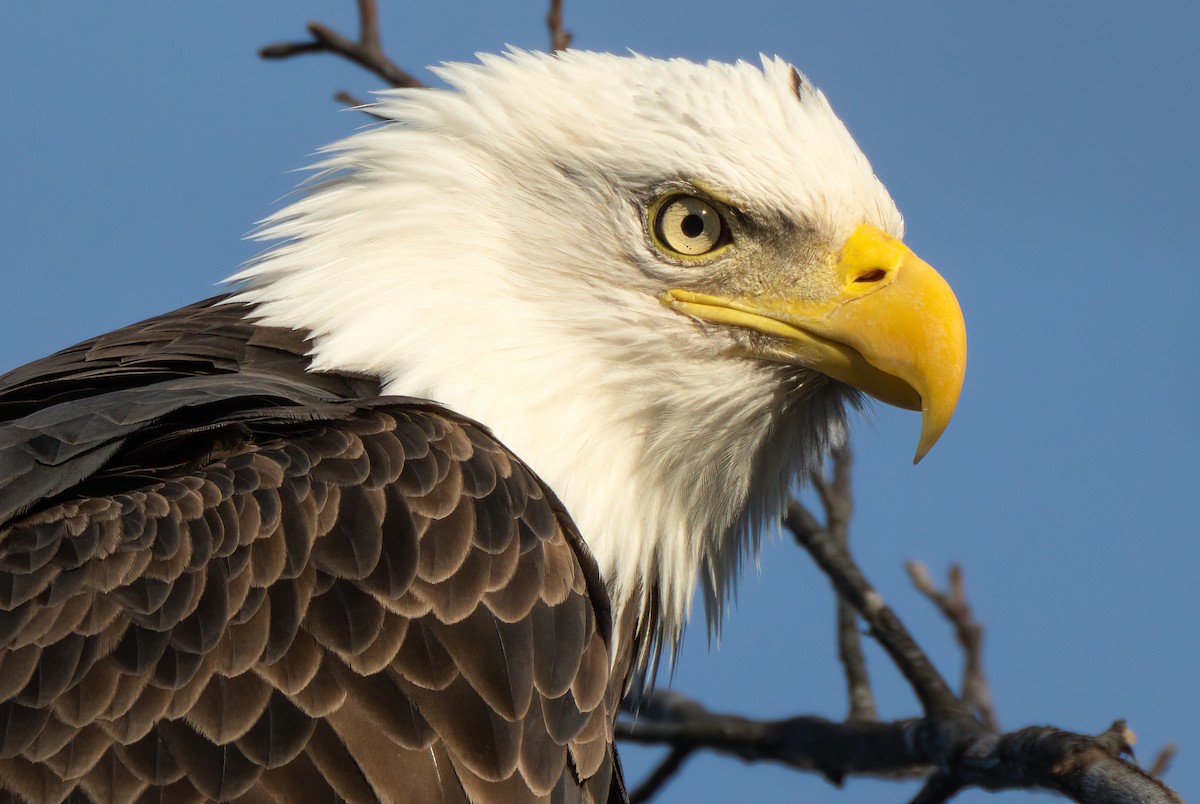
x: 225, y: 578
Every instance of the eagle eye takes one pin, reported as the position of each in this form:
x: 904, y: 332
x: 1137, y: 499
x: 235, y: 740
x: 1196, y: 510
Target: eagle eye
x: 687, y: 226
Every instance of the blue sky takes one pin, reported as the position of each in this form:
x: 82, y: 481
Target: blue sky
x: 1045, y: 157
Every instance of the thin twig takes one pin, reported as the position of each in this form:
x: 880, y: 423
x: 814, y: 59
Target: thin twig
x: 654, y: 782
x: 931, y: 689
x: 367, y: 52
x: 1162, y: 762
x: 368, y: 25
x: 849, y: 641
x: 954, y: 606
x: 854, y: 665
x: 837, y: 498
x: 347, y: 99
x: 560, y: 39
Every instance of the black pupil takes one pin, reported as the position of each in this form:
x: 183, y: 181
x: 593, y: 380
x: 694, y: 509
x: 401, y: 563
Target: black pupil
x: 692, y: 225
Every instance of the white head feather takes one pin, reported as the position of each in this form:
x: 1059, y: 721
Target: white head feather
x: 489, y: 250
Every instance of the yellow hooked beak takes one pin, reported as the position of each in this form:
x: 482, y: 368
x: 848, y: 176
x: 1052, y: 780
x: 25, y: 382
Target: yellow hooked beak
x: 891, y: 328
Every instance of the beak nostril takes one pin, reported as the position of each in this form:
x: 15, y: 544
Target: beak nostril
x: 872, y: 276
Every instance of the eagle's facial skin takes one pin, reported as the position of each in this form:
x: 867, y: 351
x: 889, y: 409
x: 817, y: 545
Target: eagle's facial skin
x: 642, y: 275
x: 889, y: 326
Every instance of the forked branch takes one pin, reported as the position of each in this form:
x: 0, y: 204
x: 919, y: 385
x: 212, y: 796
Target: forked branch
x: 949, y: 746
x: 367, y: 52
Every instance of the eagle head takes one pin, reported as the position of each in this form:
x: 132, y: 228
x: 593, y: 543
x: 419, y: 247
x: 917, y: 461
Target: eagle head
x: 660, y: 283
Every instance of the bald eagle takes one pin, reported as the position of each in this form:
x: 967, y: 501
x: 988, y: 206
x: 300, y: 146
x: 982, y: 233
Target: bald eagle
x: 401, y: 515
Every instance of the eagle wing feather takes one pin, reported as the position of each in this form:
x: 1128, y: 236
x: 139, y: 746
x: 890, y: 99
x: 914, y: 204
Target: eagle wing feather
x: 276, y: 585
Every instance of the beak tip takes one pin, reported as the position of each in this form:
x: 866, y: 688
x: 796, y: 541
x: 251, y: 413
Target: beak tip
x: 932, y: 427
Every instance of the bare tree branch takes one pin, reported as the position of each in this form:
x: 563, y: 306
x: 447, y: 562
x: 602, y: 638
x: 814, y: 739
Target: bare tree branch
x: 1163, y: 761
x: 953, y: 604
x: 838, y: 501
x: 935, y: 695
x: 368, y: 26
x: 805, y: 743
x: 367, y: 52
x: 854, y: 665
x: 949, y: 746
x: 560, y: 39
x: 344, y: 97
x: 358, y: 104
x: 960, y: 751
x: 666, y: 769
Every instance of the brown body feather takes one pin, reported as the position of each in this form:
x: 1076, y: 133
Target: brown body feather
x: 223, y: 577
